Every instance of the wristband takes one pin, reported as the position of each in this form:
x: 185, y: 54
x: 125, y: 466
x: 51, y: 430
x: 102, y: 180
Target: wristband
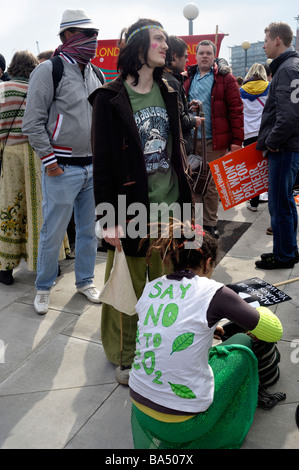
x: 53, y: 169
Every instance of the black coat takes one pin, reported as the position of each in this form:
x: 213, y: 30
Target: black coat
x: 188, y: 121
x: 118, y: 159
x: 279, y: 128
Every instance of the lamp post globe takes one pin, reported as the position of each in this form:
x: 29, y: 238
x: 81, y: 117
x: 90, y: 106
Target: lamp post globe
x: 245, y: 45
x: 191, y: 12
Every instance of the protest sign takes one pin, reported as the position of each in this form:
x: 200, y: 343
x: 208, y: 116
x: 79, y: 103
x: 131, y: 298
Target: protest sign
x: 259, y: 293
x: 241, y: 175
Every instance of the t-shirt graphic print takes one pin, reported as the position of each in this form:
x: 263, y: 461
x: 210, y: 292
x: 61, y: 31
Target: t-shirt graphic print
x: 153, y: 127
x: 152, y: 122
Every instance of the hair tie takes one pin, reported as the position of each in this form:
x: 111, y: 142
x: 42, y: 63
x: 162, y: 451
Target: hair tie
x: 198, y: 230
x: 182, y: 244
x: 150, y: 26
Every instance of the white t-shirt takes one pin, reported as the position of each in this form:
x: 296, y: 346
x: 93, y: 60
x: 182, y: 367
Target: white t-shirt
x: 173, y: 340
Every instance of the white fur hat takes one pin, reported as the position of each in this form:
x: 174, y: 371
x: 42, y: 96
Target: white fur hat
x: 76, y: 19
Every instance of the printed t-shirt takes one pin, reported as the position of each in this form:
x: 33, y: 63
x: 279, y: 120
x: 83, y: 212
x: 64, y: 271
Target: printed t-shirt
x: 171, y: 365
x: 152, y: 121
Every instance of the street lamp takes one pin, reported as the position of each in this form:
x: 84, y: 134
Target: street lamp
x: 191, y: 12
x: 246, y: 45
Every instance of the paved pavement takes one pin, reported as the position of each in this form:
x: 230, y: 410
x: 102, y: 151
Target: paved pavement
x: 58, y: 391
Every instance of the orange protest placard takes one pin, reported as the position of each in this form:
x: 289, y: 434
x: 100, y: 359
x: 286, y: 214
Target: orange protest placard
x: 241, y: 175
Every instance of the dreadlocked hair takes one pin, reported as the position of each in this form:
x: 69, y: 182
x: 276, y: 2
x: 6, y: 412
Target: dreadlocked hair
x: 186, y: 245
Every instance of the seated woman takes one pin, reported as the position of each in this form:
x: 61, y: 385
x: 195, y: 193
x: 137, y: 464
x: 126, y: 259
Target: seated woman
x: 187, y: 394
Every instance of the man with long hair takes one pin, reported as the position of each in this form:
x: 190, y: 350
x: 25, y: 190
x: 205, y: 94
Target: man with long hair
x: 137, y: 156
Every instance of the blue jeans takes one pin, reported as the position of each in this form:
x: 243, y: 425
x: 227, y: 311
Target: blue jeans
x: 283, y: 169
x: 72, y: 190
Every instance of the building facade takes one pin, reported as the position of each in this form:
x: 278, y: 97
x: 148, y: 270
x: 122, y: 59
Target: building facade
x: 240, y: 64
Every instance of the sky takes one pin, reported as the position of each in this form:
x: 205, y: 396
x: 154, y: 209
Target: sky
x: 33, y: 24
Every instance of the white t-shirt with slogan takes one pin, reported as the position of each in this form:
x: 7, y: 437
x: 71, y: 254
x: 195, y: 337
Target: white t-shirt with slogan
x: 173, y: 340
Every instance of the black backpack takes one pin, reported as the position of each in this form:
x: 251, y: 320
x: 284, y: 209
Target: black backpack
x: 58, y: 71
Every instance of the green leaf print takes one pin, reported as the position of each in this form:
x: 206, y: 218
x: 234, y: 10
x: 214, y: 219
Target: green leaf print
x: 182, y: 342
x: 182, y: 391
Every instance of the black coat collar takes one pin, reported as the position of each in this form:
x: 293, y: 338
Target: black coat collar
x: 281, y: 58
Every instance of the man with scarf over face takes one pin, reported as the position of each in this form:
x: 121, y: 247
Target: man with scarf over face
x: 59, y: 130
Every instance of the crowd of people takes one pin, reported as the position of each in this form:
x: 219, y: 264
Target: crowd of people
x: 75, y: 146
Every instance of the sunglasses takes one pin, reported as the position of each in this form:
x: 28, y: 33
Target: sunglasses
x: 89, y: 33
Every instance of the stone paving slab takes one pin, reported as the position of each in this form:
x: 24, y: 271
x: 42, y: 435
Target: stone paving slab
x: 64, y: 362
x: 8, y: 294
x: 274, y: 429
x: 87, y: 326
x: 57, y: 389
x: 49, y: 419
x: 25, y: 333
x: 109, y: 427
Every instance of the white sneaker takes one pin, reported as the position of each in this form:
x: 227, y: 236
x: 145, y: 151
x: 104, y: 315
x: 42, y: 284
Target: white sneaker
x: 122, y: 374
x: 90, y: 292
x: 250, y: 207
x: 41, y: 302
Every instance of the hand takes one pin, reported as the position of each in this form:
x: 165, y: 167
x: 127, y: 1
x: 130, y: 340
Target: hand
x: 194, y: 105
x: 112, y: 236
x: 198, y: 121
x: 219, y: 331
x: 234, y: 148
x: 273, y: 151
x: 54, y: 170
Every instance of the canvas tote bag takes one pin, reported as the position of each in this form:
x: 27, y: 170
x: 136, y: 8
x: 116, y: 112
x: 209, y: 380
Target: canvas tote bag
x: 118, y: 290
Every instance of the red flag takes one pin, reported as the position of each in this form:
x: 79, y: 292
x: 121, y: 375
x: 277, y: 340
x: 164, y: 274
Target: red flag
x: 107, y: 52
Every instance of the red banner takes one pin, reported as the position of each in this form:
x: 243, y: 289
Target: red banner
x: 107, y: 52
x: 192, y: 42
x: 106, y: 58
x: 241, y: 175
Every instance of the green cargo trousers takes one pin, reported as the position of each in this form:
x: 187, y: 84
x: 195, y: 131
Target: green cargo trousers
x: 115, y: 323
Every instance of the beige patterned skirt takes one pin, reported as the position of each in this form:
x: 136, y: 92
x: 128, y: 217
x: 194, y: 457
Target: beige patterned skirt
x: 20, y: 207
